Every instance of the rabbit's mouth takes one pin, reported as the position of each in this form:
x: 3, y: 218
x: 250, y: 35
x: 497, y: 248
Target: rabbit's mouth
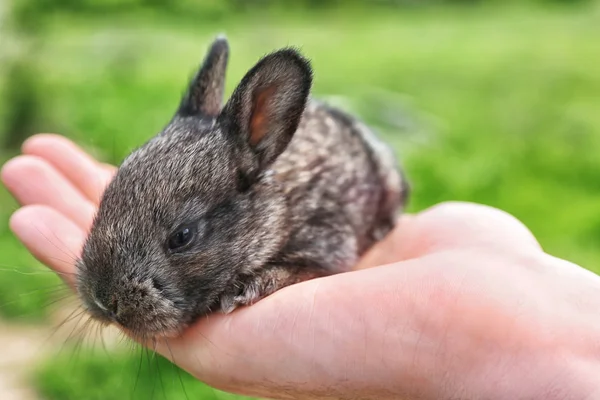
x: 140, y: 307
x: 150, y: 327
x: 149, y: 338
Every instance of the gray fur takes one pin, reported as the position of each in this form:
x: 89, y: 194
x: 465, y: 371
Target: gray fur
x: 278, y: 189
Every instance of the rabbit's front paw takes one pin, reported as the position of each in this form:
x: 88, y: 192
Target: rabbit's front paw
x: 258, y: 286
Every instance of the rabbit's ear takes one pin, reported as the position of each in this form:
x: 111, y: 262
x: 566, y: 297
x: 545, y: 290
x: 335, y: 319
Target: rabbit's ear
x: 205, y: 93
x: 265, y: 109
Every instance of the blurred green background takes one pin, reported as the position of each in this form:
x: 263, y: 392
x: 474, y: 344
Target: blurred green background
x: 495, y: 102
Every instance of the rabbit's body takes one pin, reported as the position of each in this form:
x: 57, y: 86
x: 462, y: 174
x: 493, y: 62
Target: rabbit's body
x: 340, y: 182
x: 229, y: 204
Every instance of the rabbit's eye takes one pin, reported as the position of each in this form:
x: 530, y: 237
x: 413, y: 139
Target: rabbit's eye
x: 183, y: 237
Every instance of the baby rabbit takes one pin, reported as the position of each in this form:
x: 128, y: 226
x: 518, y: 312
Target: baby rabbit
x: 230, y: 203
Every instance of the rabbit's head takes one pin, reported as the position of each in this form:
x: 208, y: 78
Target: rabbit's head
x: 195, y: 206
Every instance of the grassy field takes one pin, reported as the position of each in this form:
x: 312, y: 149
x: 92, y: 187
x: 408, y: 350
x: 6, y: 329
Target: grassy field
x: 497, y: 106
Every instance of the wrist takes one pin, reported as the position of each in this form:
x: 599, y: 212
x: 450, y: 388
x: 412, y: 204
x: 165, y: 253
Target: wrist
x: 552, y: 362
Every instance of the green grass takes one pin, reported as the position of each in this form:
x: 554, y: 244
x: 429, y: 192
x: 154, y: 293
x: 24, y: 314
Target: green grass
x: 497, y: 106
x: 100, y: 376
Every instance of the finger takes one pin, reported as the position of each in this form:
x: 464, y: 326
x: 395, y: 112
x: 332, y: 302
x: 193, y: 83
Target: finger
x: 86, y: 174
x: 51, y: 237
x: 109, y: 169
x: 33, y: 181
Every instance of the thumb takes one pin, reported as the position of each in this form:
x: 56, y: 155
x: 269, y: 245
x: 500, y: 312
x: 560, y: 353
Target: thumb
x: 449, y: 225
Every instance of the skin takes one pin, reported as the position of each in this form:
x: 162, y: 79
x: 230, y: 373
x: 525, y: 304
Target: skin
x: 459, y: 302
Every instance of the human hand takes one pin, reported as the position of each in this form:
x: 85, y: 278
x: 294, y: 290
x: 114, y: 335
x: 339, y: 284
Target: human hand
x: 458, y: 302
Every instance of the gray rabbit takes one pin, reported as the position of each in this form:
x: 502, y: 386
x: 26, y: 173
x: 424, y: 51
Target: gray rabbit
x: 229, y: 204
